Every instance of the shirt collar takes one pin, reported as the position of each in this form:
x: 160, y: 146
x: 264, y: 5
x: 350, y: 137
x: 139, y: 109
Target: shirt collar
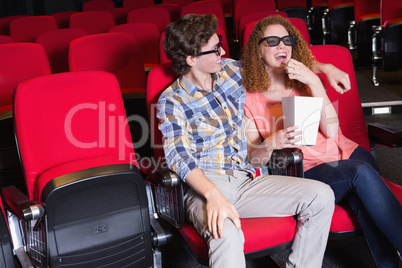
x: 191, y: 88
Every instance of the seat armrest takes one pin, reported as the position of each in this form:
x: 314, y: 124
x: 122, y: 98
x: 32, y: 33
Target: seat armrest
x: 161, y: 176
x: 384, y: 135
x: 168, y: 192
x: 376, y: 43
x: 287, y: 162
x: 23, y: 207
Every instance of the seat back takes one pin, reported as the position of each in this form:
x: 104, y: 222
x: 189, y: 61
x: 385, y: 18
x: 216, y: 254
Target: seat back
x: 206, y: 7
x: 92, y: 21
x: 19, y: 62
x: 5, y: 23
x: 157, y: 15
x: 78, y: 159
x: 348, y: 105
x: 244, y: 7
x: 117, y: 53
x: 180, y: 3
x: 390, y: 10
x: 174, y: 10
x: 297, y: 22
x: 334, y: 3
x: 63, y: 18
x: 5, y: 39
x: 56, y: 45
x: 26, y: 29
x: 68, y: 117
x: 317, y: 3
x: 366, y: 7
x: 97, y: 5
x: 146, y: 35
x: 134, y: 4
x: 294, y: 8
x: 282, y: 4
x: 119, y: 14
x: 159, y: 78
x: 255, y: 16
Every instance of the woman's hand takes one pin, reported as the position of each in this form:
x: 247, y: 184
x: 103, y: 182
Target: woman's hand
x: 298, y: 71
x: 284, y: 138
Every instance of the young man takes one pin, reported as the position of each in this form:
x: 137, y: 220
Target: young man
x: 202, y: 121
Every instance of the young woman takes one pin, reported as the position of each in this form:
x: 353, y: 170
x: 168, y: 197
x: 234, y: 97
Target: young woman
x: 277, y: 63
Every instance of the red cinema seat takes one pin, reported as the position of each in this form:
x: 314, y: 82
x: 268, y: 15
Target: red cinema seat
x: 5, y: 23
x: 294, y: 8
x: 63, y: 18
x: 387, y: 39
x: 351, y: 121
x: 78, y: 161
x: 117, y: 53
x: 26, y: 29
x: 244, y: 7
x: 157, y: 15
x: 206, y: 7
x: 19, y: 62
x: 92, y: 22
x: 56, y: 44
x: 134, y: 4
x: 97, y: 5
x: 367, y: 14
x: 146, y: 35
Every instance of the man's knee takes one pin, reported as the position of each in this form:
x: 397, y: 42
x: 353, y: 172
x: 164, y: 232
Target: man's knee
x: 324, y: 197
x: 229, y: 250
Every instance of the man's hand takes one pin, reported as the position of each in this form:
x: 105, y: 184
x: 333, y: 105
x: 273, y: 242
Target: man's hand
x: 217, y: 206
x: 218, y: 209
x: 337, y: 78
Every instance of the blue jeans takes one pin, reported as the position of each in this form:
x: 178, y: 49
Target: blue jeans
x: 379, y: 212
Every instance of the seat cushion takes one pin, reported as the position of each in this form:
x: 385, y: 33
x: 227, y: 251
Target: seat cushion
x: 344, y: 220
x: 259, y: 233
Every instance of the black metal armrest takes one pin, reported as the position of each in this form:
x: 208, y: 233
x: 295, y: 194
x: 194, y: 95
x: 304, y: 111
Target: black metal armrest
x: 287, y: 162
x: 168, y: 192
x: 384, y: 135
x: 23, y: 207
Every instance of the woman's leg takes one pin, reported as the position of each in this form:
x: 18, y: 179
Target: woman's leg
x: 362, y: 154
x: 377, y: 200
x: 382, y: 250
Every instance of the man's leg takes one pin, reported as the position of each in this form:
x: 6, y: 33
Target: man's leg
x: 279, y: 196
x: 223, y: 252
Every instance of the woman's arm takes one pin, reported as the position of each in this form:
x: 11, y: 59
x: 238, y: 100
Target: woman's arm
x: 329, y: 123
x: 259, y: 151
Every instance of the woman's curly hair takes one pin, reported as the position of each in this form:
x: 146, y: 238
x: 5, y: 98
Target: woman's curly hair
x: 185, y: 37
x: 253, y: 69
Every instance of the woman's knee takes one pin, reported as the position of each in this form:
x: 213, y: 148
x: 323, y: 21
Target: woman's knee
x: 363, y: 173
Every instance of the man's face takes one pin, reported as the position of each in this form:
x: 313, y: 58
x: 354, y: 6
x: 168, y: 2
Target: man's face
x: 210, y: 62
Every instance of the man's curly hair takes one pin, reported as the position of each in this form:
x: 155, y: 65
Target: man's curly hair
x: 186, y: 36
x: 253, y: 70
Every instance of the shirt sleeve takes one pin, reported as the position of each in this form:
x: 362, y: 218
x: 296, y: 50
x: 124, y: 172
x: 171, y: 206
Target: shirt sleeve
x: 175, y: 137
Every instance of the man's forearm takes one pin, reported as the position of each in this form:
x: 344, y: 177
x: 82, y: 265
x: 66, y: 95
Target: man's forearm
x: 197, y: 180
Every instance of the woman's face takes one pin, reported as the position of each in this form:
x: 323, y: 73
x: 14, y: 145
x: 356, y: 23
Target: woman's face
x: 275, y: 57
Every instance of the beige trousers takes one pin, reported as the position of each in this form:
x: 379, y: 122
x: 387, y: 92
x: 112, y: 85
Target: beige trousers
x: 267, y: 196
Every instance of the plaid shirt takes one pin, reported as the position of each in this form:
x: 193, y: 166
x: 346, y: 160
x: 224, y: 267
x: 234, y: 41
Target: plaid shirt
x: 205, y: 129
